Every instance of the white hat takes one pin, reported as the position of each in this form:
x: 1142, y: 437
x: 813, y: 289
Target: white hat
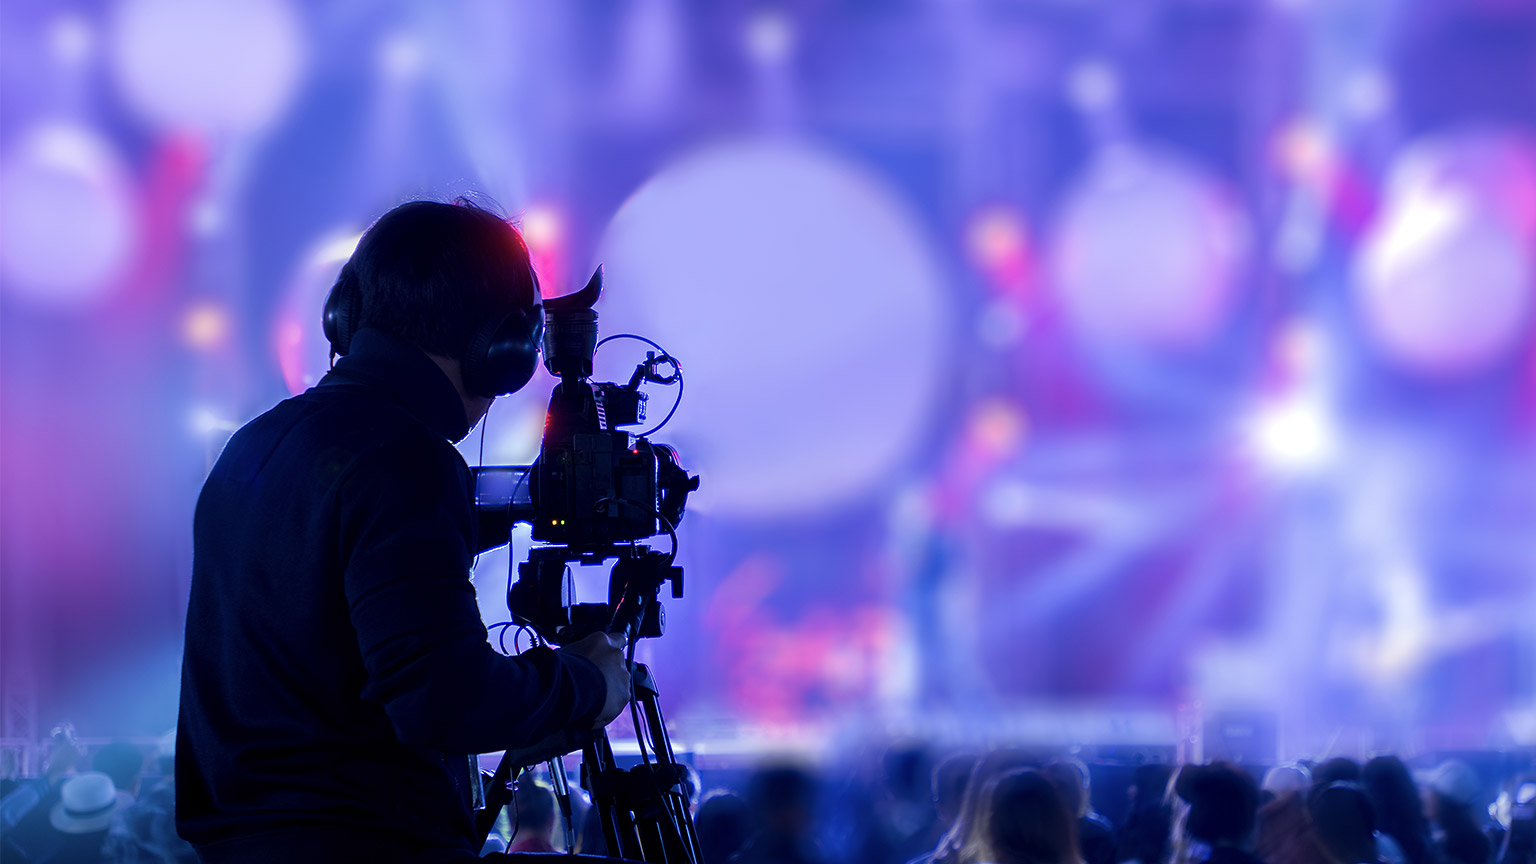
x: 86, y: 804
x: 1289, y: 777
x: 1456, y: 780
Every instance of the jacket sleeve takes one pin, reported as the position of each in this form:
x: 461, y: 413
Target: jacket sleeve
x: 407, y: 527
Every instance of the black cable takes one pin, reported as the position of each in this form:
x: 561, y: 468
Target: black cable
x: 516, y: 817
x: 484, y: 422
x: 665, y: 355
x: 502, y: 638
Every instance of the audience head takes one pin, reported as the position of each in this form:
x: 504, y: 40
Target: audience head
x: 1070, y: 777
x: 1284, y: 833
x: 1024, y: 821
x: 1149, y: 785
x: 1286, y: 778
x: 1399, y: 811
x: 86, y: 803
x: 907, y: 769
x: 1344, y: 822
x: 1339, y: 769
x: 973, y: 805
x: 1222, y: 803
x: 723, y: 824
x: 1451, y: 785
x: 781, y: 798
x: 535, y: 809
x: 121, y: 761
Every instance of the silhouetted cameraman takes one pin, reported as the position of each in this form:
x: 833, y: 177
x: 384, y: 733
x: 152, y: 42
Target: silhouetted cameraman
x: 336, y: 670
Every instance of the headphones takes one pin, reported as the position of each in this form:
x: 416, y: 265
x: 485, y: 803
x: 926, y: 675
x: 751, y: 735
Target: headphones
x: 502, y: 353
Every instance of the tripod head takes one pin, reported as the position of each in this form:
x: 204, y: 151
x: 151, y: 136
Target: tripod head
x: 544, y: 595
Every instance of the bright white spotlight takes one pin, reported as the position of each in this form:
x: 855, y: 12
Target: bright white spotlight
x: 206, y: 422
x: 1295, y: 436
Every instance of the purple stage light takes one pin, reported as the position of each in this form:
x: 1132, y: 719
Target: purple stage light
x: 67, y: 224
x: 227, y: 68
x: 1444, y: 279
x: 1148, y: 252
x: 808, y: 310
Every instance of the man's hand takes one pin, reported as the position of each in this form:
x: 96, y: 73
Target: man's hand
x: 606, y: 650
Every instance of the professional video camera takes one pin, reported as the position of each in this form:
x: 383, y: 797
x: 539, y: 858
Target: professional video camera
x: 595, y: 491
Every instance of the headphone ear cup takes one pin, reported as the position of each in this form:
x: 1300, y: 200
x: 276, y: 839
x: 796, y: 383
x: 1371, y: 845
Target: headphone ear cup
x: 503, y: 356
x: 343, y: 308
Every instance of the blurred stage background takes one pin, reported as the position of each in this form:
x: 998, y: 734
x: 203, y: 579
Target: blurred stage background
x: 1077, y: 371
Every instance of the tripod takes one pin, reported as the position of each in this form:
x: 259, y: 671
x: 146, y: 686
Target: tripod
x: 643, y: 809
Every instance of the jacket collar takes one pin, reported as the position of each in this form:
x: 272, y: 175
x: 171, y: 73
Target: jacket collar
x: 379, y: 359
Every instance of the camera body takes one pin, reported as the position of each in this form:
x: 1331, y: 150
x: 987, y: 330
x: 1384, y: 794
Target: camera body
x: 594, y: 492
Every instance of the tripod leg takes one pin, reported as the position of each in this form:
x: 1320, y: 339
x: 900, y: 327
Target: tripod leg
x: 598, y: 765
x: 563, y: 798
x: 682, y: 839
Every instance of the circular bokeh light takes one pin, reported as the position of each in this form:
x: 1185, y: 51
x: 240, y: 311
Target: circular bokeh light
x: 219, y: 68
x: 67, y: 226
x: 1444, y: 277
x: 806, y: 305
x: 1148, y: 252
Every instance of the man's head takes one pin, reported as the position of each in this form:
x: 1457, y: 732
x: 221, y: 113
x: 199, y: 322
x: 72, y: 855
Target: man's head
x: 1223, y: 801
x: 781, y: 797
x: 441, y: 277
x: 123, y: 762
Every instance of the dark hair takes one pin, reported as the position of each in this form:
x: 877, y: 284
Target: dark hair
x: 1399, y: 809
x: 1339, y: 769
x: 1464, y: 842
x: 1026, y: 822
x: 780, y: 787
x: 1068, y: 780
x: 1151, y: 782
x: 535, y: 806
x: 432, y: 273
x: 1344, y: 821
x: 1222, y: 802
x: 723, y: 823
x: 1285, y: 832
x: 967, y: 828
x: 121, y: 761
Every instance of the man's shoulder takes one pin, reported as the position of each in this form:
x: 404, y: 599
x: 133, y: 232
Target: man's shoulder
x: 336, y: 428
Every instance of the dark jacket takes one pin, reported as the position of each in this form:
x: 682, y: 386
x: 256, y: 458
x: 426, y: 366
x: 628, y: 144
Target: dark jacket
x: 336, y: 670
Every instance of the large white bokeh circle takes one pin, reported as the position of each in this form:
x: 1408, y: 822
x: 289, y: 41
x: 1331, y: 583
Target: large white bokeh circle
x: 226, y: 67
x: 1147, y: 251
x: 67, y: 226
x: 808, y: 309
x: 1444, y: 278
